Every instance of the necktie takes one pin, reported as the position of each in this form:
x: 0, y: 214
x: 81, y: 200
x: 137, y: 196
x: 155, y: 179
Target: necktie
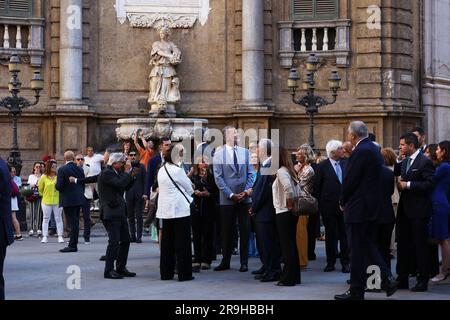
x: 408, y: 164
x: 236, y: 165
x: 339, y: 172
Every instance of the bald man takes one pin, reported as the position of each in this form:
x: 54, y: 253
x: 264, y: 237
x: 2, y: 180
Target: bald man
x: 71, y: 197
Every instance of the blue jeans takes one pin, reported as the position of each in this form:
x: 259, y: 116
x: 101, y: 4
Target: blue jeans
x: 252, y: 250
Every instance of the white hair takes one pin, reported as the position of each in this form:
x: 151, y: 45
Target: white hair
x: 116, y: 157
x: 359, y: 129
x: 332, y: 146
x: 267, y: 145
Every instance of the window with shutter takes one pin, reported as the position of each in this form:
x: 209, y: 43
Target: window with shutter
x: 16, y: 8
x: 315, y: 9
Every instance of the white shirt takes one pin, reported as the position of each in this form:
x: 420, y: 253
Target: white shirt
x: 412, y: 157
x: 95, y: 164
x: 33, y: 181
x: 334, y: 163
x: 230, y: 151
x: 265, y: 162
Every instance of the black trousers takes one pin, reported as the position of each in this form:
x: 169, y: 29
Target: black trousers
x: 86, y: 209
x: 313, y: 228
x: 363, y: 252
x: 135, y: 208
x: 412, y: 246
x: 228, y: 216
x: 382, y: 236
x: 268, y: 247
x: 287, y: 228
x: 73, y: 217
x: 118, y: 244
x: 3, y: 245
x: 203, y: 234
x: 335, y: 231
x: 176, y: 245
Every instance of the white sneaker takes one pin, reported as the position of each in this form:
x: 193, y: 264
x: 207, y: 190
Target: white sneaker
x: 44, y: 240
x: 60, y: 239
x: 30, y: 233
x: 39, y: 232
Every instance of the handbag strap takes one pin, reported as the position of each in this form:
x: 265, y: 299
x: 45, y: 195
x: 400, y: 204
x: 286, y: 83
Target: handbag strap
x: 176, y: 185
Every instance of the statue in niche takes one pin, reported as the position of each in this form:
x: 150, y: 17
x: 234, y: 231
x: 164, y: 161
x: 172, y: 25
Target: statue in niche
x: 164, y: 83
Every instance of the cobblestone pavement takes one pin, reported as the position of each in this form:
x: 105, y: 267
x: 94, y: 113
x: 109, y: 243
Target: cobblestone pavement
x: 37, y: 271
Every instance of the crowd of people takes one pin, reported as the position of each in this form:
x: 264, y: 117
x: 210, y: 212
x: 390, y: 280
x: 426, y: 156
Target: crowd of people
x: 374, y: 203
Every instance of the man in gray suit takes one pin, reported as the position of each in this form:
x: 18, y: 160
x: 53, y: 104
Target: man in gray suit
x: 234, y: 177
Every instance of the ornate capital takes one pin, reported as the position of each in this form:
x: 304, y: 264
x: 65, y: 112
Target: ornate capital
x: 153, y: 20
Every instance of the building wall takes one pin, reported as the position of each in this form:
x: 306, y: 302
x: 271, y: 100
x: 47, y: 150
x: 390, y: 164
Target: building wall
x: 380, y: 80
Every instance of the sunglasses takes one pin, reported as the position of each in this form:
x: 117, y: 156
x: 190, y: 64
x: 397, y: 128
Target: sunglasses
x: 80, y: 159
x: 132, y: 155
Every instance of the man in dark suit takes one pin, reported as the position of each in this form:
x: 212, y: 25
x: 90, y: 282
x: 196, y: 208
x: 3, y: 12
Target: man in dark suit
x: 153, y: 166
x: 112, y: 183
x: 414, y: 211
x: 6, y: 228
x: 71, y: 197
x: 360, y: 201
x: 134, y: 198
x: 263, y: 213
x: 327, y: 189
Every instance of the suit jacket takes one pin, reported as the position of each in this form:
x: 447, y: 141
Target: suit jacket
x: 70, y: 194
x: 152, y: 171
x: 416, y: 202
x: 262, y: 199
x: 361, y: 188
x: 111, y: 187
x: 228, y: 180
x: 5, y: 204
x: 386, y: 214
x: 136, y: 189
x: 327, y: 187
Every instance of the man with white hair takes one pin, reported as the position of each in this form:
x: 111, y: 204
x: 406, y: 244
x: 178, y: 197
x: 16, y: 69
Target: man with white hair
x: 360, y: 200
x: 112, y: 183
x: 327, y: 188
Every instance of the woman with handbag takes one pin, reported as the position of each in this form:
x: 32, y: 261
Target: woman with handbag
x: 174, y: 209
x: 35, y: 201
x: 305, y: 173
x: 285, y: 194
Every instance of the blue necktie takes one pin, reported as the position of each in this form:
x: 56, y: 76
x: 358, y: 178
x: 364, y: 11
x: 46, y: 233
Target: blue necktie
x: 339, y: 172
x: 236, y: 165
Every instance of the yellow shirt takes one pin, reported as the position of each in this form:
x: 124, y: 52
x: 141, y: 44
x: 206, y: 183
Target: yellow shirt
x: 48, y: 192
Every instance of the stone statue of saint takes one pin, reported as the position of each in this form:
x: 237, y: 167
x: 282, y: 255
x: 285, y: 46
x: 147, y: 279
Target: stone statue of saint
x: 164, y: 83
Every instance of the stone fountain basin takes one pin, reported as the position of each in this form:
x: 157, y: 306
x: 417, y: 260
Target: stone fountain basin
x: 175, y: 128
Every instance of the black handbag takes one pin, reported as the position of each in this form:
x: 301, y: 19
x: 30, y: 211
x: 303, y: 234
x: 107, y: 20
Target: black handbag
x: 304, y: 203
x: 191, y: 204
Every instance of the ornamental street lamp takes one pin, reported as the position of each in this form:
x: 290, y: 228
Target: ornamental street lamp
x: 16, y: 104
x: 312, y: 102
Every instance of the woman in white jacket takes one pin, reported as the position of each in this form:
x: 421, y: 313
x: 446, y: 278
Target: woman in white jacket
x: 284, y: 190
x: 175, y: 190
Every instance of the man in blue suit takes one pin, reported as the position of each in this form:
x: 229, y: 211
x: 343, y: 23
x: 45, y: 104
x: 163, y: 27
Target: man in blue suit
x: 71, y: 197
x: 263, y: 212
x: 6, y: 228
x: 360, y: 200
x: 234, y: 178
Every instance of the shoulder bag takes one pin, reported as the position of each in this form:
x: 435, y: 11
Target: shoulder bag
x: 191, y: 204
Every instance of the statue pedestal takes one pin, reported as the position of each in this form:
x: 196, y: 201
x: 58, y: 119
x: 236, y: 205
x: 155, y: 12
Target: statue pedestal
x: 167, y: 110
x: 176, y: 128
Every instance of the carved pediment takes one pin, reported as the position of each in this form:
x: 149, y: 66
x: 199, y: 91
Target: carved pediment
x: 150, y: 13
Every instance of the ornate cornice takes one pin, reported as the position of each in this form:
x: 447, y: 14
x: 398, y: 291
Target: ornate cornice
x: 152, y: 20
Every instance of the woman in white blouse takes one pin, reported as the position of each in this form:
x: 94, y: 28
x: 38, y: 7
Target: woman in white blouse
x: 284, y: 190
x: 35, y: 206
x: 174, y: 211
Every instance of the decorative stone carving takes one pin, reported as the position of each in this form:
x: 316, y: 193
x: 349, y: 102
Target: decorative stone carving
x: 178, y: 13
x: 164, y: 90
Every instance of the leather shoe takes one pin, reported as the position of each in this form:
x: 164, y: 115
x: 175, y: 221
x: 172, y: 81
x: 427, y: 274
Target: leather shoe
x: 138, y: 240
x: 126, y: 273
x: 270, y: 278
x: 243, y: 268
x: 187, y: 279
x: 260, y: 276
x: 259, y: 271
x: 345, y: 268
x: 283, y: 284
x: 68, y: 249
x: 329, y: 268
x: 421, y: 286
x: 102, y: 258
x: 348, y: 296
x: 390, y: 286
x: 113, y: 275
x: 222, y: 267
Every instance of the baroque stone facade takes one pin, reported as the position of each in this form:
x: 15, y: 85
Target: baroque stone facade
x: 236, y: 60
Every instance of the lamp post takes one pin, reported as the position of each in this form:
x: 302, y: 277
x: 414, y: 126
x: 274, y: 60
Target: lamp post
x: 16, y: 104
x: 310, y: 101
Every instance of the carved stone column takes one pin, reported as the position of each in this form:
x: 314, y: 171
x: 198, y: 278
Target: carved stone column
x: 71, y: 56
x: 252, y: 55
